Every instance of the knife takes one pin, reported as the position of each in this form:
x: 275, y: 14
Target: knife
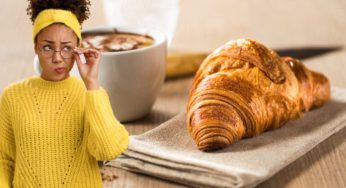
x: 187, y: 63
x: 307, y: 52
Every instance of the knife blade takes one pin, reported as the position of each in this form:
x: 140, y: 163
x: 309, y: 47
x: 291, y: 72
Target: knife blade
x: 306, y: 52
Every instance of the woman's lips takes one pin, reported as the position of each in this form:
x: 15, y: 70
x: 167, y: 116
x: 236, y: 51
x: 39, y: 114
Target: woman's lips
x: 59, y: 70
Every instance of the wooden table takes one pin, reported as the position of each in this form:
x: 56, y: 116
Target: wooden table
x: 203, y: 26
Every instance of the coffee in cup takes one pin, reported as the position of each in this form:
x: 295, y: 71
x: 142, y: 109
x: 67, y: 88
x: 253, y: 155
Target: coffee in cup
x: 115, y: 41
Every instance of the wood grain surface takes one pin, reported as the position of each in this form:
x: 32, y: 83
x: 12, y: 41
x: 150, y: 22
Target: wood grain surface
x: 203, y: 25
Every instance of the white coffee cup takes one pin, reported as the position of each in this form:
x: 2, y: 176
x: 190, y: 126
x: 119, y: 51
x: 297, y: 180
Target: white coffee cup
x: 132, y: 78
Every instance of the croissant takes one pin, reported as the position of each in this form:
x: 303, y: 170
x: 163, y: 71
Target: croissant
x: 243, y: 89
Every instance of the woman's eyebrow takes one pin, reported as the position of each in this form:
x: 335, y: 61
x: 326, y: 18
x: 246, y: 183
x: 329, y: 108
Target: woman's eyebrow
x: 51, y: 42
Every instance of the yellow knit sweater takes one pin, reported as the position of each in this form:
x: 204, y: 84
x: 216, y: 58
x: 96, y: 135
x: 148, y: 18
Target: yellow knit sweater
x: 53, y: 133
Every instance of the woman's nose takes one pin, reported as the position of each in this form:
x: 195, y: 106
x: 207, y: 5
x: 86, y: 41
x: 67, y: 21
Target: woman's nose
x: 57, y: 58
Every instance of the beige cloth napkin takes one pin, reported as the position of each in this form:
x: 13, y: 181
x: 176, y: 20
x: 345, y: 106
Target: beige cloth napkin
x: 169, y: 152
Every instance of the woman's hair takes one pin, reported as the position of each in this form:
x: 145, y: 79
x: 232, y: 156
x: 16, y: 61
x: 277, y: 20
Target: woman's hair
x: 78, y: 7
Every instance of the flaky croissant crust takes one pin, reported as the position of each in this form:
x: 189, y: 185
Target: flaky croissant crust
x: 243, y: 89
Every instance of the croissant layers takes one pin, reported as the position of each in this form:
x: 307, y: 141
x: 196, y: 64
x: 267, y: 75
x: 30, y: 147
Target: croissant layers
x: 243, y: 89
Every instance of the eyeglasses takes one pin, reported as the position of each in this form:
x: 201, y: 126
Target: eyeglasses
x: 48, y: 51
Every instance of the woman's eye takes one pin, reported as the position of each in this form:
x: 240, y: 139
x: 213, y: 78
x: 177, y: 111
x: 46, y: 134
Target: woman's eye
x: 67, y: 48
x: 47, y: 48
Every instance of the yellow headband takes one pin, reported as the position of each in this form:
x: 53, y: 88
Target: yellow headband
x: 50, y: 16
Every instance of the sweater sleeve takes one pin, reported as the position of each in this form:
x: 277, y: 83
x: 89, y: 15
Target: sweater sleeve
x: 7, y: 144
x: 108, y: 138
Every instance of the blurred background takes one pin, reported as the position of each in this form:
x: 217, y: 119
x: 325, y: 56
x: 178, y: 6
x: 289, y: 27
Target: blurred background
x: 196, y: 25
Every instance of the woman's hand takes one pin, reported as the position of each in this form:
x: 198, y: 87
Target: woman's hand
x: 88, y: 71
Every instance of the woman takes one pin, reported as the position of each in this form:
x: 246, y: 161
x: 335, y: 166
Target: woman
x: 55, y: 127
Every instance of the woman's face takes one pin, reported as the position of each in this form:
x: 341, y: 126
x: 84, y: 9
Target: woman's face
x: 54, y: 47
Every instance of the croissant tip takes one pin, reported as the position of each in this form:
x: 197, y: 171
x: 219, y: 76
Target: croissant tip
x: 213, y: 144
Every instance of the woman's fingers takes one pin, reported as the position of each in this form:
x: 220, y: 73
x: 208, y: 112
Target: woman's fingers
x: 77, y: 58
x: 91, y: 53
x: 78, y: 61
x: 92, y: 57
x: 88, y: 52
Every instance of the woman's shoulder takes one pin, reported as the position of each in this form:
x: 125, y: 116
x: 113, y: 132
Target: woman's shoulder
x: 17, y: 85
x: 78, y: 83
x: 29, y: 81
x: 12, y: 89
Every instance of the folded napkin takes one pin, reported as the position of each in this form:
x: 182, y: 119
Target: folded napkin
x: 169, y: 152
